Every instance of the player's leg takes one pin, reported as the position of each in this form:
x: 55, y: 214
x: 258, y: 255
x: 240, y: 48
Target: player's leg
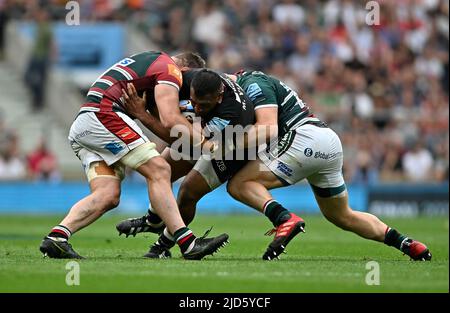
x: 252, y: 183
x: 105, y: 195
x: 337, y: 211
x: 251, y: 186
x: 366, y: 225
x: 157, y: 172
x: 277, y: 167
x: 202, y: 179
x: 104, y: 182
x: 151, y: 222
x: 331, y: 195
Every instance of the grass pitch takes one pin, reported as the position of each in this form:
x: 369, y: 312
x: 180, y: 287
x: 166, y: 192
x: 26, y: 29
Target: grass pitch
x: 325, y: 259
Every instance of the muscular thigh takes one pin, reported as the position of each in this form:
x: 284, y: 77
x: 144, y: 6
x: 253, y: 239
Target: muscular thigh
x: 256, y: 171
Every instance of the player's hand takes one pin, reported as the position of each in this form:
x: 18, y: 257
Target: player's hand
x: 132, y: 103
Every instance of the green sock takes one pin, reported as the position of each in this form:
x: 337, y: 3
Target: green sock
x: 275, y: 212
x: 394, y: 238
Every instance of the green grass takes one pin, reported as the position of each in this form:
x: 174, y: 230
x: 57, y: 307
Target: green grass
x: 325, y: 259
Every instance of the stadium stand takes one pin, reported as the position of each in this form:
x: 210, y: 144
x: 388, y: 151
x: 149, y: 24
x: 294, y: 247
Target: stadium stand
x: 382, y: 88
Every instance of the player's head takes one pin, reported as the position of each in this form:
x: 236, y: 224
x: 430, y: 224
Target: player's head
x: 206, y: 91
x: 187, y: 60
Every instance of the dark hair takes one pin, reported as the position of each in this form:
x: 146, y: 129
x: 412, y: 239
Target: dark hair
x: 206, y: 82
x: 191, y: 59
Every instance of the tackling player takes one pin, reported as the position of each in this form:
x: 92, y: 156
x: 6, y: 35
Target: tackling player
x: 106, y: 140
x: 306, y: 148
x: 222, y: 104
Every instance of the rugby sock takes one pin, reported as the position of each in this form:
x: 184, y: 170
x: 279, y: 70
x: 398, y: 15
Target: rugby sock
x: 275, y: 212
x: 60, y: 231
x: 185, y: 239
x: 394, y: 238
x: 152, y: 217
x: 166, y: 239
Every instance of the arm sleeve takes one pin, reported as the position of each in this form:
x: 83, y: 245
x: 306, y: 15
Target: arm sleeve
x: 262, y: 95
x: 165, y: 71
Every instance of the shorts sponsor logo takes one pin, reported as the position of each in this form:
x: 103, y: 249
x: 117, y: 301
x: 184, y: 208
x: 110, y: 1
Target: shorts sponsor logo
x: 325, y: 156
x: 308, y: 152
x: 284, y: 169
x: 221, y: 165
x: 126, y: 133
x: 114, y: 147
x: 83, y: 134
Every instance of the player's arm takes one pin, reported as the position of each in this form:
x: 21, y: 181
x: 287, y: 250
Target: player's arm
x: 167, y: 101
x: 169, y: 81
x: 265, y: 127
x: 135, y: 106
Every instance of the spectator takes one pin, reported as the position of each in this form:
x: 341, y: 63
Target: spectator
x: 11, y: 165
x: 418, y: 163
x: 3, y: 18
x: 381, y: 84
x: 36, y: 73
x: 7, y: 136
x: 42, y: 164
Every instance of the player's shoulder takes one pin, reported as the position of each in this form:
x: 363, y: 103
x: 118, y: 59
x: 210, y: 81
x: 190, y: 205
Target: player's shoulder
x: 163, y: 68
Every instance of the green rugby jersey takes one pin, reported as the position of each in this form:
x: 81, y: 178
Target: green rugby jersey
x: 269, y: 92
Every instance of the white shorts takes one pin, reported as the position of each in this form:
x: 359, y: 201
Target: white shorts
x: 106, y: 136
x: 217, y: 172
x: 310, y: 152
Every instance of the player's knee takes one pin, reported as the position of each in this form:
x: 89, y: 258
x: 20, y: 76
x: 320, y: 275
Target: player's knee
x: 187, y: 196
x: 111, y: 200
x: 343, y: 220
x: 158, y: 169
x: 107, y: 199
x: 234, y: 189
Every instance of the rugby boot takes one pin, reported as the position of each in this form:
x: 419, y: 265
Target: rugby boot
x: 283, y: 235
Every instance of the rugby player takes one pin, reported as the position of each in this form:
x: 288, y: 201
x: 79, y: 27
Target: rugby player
x: 306, y: 148
x: 222, y: 104
x: 106, y: 139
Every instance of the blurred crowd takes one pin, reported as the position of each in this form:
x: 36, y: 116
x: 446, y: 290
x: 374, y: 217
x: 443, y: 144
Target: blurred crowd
x: 38, y: 165
x: 383, y: 88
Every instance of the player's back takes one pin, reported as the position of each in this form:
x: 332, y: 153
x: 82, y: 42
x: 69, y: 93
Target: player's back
x: 145, y: 70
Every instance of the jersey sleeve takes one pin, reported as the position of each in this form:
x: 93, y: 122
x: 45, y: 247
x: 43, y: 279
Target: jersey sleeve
x: 165, y: 71
x: 262, y: 95
x: 217, y: 124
